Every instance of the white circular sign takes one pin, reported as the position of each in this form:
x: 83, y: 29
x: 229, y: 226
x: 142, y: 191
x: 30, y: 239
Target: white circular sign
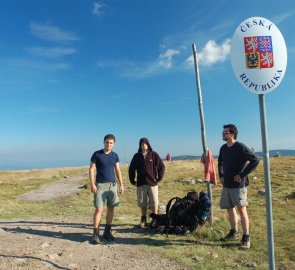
x: 258, y: 55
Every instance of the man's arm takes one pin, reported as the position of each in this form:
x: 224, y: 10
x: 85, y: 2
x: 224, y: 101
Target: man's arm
x: 253, y: 161
x: 252, y: 164
x: 131, y: 171
x: 91, y: 177
x: 220, y: 168
x: 119, y: 177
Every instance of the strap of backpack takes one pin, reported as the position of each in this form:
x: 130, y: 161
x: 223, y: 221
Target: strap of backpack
x: 169, y: 204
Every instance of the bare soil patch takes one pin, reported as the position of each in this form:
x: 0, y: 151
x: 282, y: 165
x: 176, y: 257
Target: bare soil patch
x: 67, y: 244
x: 58, y: 190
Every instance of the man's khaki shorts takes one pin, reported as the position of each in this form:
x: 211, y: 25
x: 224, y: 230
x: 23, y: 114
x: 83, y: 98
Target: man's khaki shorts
x: 232, y: 197
x: 147, y: 196
x: 107, y: 194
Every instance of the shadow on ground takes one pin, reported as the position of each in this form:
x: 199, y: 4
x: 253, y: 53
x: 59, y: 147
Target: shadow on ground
x: 81, y: 232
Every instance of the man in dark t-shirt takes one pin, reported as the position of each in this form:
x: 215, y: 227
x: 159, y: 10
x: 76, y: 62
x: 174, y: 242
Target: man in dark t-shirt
x: 235, y: 162
x: 106, y: 163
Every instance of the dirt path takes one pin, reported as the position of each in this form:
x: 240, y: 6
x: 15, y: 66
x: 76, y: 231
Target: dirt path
x: 53, y: 244
x: 58, y: 190
x: 66, y: 244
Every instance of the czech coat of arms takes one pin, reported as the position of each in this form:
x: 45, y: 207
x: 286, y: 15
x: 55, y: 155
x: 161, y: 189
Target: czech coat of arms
x: 258, y: 51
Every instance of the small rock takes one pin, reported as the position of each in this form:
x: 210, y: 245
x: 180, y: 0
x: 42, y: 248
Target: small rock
x: 250, y: 265
x: 52, y: 256
x: 214, y: 255
x: 254, y: 178
x: 66, y: 176
x: 261, y: 192
x: 198, y: 258
x: 73, y: 266
x: 45, y: 245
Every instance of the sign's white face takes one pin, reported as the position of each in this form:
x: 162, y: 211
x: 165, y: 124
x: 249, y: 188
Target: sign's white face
x: 258, y: 55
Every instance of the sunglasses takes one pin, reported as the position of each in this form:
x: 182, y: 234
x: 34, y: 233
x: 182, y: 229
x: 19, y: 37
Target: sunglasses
x: 226, y: 132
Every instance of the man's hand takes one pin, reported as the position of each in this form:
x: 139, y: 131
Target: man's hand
x: 121, y: 189
x: 237, y: 178
x: 93, y: 188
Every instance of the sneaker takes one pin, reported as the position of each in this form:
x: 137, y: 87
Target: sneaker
x: 231, y: 236
x: 245, y: 242
x: 96, y: 236
x: 142, y: 223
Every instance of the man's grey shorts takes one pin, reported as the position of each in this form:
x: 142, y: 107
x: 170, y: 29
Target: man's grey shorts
x: 147, y: 196
x: 106, y: 194
x: 232, y: 197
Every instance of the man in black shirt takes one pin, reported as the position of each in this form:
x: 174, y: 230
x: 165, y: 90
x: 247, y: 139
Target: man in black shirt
x: 235, y: 162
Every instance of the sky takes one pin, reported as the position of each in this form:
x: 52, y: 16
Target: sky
x: 72, y: 71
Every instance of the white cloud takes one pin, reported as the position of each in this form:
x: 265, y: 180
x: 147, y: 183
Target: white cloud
x: 212, y: 53
x: 127, y: 68
x: 54, y: 52
x: 165, y: 59
x: 97, y: 9
x: 52, y: 33
x: 282, y: 17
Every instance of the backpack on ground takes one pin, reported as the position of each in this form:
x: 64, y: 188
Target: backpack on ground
x: 183, y: 215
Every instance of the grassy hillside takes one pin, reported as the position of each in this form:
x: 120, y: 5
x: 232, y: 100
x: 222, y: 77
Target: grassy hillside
x: 202, y: 250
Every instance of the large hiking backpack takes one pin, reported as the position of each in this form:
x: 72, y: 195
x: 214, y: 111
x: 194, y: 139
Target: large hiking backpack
x: 182, y: 211
x: 184, y: 214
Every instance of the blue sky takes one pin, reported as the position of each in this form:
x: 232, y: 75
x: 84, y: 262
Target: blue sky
x: 72, y: 71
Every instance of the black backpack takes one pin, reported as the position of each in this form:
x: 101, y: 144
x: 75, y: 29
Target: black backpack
x: 183, y: 215
x: 182, y: 211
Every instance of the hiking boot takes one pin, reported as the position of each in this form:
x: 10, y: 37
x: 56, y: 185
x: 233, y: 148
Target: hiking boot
x: 245, y: 244
x: 96, y: 236
x: 142, y: 223
x: 154, y: 224
x: 231, y: 236
x: 107, y: 234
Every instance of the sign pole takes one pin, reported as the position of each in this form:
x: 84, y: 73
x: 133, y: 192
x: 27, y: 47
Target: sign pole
x: 259, y: 61
x: 202, y: 120
x: 270, y: 237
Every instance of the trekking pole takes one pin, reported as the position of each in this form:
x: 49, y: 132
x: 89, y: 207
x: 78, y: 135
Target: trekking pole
x: 202, y: 120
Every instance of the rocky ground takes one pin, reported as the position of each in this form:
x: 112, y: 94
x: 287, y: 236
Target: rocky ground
x: 63, y: 244
x: 66, y: 244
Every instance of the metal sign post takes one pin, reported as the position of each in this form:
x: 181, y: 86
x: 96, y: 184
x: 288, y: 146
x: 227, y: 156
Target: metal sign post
x: 267, y: 182
x: 202, y: 120
x: 259, y: 61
